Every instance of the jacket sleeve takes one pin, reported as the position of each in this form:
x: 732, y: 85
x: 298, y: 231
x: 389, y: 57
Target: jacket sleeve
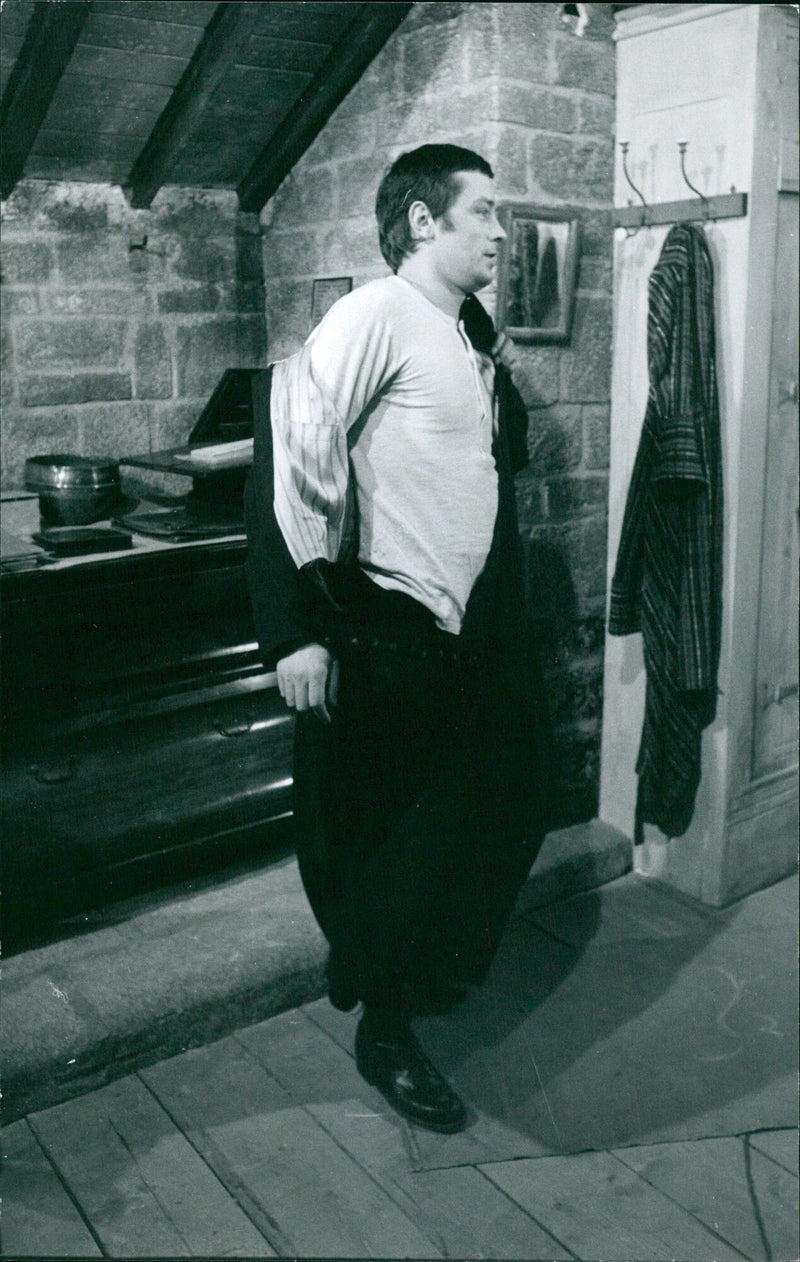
x: 291, y: 606
x: 481, y: 332
x: 514, y: 417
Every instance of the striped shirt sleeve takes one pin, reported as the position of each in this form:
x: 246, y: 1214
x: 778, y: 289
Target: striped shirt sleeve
x: 317, y: 396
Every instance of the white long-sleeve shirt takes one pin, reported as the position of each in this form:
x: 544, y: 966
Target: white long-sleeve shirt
x: 389, y: 385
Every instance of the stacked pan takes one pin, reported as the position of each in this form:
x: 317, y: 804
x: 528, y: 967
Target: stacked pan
x: 73, y: 490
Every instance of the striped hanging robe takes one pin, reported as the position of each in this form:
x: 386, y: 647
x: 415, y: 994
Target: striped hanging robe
x: 668, y: 578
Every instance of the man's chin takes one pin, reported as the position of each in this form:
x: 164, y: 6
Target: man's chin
x: 477, y: 284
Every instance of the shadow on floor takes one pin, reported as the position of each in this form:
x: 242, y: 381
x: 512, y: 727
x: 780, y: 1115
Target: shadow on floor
x: 630, y: 1015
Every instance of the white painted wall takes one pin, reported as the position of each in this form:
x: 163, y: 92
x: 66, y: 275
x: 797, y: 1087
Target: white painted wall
x: 685, y: 72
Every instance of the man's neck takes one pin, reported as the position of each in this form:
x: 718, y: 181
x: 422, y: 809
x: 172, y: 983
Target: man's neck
x: 448, y: 299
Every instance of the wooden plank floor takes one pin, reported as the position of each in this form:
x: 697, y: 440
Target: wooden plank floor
x: 39, y: 1215
x: 139, y: 1181
x: 269, y: 1143
x: 726, y: 1181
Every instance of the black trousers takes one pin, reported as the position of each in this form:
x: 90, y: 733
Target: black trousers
x: 420, y: 809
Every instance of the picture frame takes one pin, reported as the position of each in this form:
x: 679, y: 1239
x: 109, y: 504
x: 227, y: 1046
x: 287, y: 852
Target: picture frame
x: 536, y: 274
x: 325, y: 291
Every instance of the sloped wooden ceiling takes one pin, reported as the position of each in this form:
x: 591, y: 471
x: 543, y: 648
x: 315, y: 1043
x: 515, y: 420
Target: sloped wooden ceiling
x: 187, y: 92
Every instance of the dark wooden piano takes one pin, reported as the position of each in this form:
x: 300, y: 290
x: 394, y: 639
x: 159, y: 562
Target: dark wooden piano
x: 143, y: 739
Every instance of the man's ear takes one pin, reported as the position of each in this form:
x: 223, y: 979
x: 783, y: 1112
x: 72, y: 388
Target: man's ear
x: 420, y: 221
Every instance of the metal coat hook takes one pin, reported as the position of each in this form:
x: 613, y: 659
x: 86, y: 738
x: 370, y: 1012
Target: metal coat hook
x: 683, y: 146
x: 624, y: 146
x: 731, y: 205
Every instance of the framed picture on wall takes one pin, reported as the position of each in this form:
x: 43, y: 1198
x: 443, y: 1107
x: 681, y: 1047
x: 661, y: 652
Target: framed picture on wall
x: 536, y: 274
x: 325, y: 292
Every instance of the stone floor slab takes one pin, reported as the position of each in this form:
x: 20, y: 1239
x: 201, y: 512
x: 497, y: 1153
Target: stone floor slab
x: 150, y: 976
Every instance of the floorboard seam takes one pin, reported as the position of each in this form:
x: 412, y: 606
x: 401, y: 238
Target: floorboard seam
x: 723, y: 1239
x: 317, y: 1122
x: 280, y: 1243
x: 72, y: 1196
x: 387, y: 1191
x: 561, y: 1244
x: 753, y: 1194
x: 153, y: 1190
x: 771, y: 1130
x: 347, y: 1051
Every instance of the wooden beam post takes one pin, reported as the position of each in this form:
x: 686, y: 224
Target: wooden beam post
x: 228, y: 30
x: 340, y: 71
x: 49, y: 43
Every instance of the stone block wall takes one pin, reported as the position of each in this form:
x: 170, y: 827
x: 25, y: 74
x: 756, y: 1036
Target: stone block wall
x: 515, y: 82
x: 118, y: 323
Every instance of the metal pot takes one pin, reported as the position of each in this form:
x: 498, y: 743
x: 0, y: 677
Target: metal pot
x: 73, y: 490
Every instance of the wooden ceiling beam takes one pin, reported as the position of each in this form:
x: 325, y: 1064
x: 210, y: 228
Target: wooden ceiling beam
x: 50, y: 39
x: 340, y: 71
x: 226, y: 33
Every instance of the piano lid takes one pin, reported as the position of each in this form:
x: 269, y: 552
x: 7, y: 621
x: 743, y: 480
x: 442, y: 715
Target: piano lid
x: 214, y: 506
x: 227, y: 417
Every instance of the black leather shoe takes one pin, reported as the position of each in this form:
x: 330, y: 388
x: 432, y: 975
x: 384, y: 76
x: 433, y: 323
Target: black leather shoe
x: 392, y: 1060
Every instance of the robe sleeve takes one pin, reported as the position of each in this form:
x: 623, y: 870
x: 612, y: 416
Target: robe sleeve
x: 283, y: 611
x: 515, y: 418
x: 317, y: 396
x: 678, y: 467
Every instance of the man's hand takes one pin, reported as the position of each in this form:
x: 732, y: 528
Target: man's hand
x: 309, y: 680
x: 505, y: 351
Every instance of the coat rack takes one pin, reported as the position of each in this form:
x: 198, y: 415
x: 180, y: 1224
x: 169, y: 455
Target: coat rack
x: 731, y: 205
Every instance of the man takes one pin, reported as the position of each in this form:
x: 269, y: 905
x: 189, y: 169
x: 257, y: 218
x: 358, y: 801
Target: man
x: 420, y: 741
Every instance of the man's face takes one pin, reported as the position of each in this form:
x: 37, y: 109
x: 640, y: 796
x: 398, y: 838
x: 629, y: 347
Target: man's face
x: 468, y: 235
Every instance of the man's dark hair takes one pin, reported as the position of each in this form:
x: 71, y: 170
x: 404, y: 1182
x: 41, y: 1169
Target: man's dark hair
x: 428, y: 174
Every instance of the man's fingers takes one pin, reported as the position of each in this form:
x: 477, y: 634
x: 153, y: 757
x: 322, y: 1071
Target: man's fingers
x: 286, y: 688
x: 303, y: 692
x: 316, y: 695
x: 303, y: 678
x: 505, y: 350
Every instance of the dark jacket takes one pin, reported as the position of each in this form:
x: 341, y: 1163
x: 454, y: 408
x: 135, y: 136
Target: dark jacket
x: 292, y: 607
x: 668, y: 577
